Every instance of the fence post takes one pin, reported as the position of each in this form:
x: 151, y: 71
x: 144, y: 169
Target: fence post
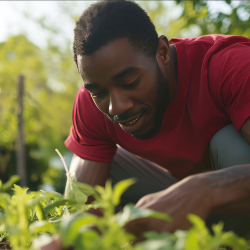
x: 21, y: 168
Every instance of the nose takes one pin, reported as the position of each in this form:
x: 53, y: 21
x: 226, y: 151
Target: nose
x: 119, y: 102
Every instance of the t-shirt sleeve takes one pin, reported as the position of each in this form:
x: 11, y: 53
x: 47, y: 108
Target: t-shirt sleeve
x: 229, y: 79
x: 88, y: 136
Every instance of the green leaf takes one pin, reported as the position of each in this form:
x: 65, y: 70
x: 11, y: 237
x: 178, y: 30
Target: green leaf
x: 155, y: 235
x: 72, y: 190
x: 197, y: 221
x: 155, y: 241
x: 51, y: 194
x: 234, y: 241
x: 191, y: 241
x: 120, y: 188
x: 87, y: 239
x: 70, y: 226
x: 39, y: 212
x: 5, y: 200
x: 34, y: 201
x: 42, y: 227
x: 8, y: 185
x: 19, y: 191
x: 85, y: 188
x: 58, y: 203
x: 131, y: 213
x: 198, y: 236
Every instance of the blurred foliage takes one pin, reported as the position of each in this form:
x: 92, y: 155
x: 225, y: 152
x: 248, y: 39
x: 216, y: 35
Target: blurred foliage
x: 36, y: 166
x: 56, y: 177
x: 197, y: 18
x: 52, y: 80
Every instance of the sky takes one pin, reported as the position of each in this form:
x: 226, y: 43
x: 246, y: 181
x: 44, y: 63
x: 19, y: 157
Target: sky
x: 16, y: 17
x: 14, y: 20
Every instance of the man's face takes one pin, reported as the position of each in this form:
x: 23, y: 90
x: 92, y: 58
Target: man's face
x: 127, y: 86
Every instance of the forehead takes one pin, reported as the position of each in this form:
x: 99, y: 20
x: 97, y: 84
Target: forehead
x: 110, y: 59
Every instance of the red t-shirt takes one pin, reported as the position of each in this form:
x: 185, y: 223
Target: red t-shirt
x: 213, y: 91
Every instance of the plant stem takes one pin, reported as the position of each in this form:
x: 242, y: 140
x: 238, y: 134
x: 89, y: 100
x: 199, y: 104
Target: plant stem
x: 64, y: 163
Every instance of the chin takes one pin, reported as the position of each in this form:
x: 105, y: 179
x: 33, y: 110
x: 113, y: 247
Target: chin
x: 147, y: 135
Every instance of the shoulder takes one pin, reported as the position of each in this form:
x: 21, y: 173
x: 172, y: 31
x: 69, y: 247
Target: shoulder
x: 209, y: 43
x: 229, y: 57
x: 198, y: 50
x: 230, y: 62
x: 229, y: 78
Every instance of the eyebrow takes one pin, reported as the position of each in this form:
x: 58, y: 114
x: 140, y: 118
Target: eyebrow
x: 91, y: 86
x: 124, y: 72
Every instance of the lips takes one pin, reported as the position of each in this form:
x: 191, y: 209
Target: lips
x: 133, y: 125
x: 134, y: 121
x: 130, y: 121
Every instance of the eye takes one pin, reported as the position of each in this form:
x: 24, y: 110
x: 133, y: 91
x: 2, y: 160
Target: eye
x: 99, y: 95
x: 132, y: 84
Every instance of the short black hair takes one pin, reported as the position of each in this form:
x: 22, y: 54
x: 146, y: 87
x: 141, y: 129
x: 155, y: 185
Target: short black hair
x: 108, y: 20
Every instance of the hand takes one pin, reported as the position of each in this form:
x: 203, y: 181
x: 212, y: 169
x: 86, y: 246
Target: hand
x: 55, y: 244
x: 191, y: 195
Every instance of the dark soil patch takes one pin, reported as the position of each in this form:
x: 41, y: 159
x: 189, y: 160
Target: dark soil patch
x: 4, y: 245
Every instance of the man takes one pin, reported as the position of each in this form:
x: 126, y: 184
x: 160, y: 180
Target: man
x: 168, y: 105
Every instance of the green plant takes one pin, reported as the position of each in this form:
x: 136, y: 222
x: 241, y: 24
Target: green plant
x: 29, y: 220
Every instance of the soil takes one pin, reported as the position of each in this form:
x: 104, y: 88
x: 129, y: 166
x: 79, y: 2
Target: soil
x: 4, y: 245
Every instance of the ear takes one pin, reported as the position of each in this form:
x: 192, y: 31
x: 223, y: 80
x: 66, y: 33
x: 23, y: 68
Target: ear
x: 79, y: 66
x: 78, y: 63
x: 162, y: 54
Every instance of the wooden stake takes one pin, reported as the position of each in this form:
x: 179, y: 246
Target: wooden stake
x: 21, y: 169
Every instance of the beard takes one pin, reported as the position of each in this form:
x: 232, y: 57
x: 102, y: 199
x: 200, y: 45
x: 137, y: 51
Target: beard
x: 161, y: 103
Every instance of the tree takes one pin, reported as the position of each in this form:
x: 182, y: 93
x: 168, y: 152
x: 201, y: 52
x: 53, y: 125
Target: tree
x: 51, y: 82
x: 198, y: 18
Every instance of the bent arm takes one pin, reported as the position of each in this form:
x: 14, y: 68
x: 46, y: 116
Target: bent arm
x: 90, y: 172
x: 230, y: 189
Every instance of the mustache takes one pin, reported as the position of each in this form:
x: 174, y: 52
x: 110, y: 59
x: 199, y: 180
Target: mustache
x: 126, y: 115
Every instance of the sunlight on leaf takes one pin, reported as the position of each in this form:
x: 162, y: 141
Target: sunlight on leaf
x: 120, y: 188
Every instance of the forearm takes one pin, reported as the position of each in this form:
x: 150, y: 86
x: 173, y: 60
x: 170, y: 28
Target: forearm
x: 241, y: 207
x: 230, y: 189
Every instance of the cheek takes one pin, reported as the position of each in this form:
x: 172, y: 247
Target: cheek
x: 102, y: 105
x: 153, y: 90
x: 150, y: 92
x: 149, y: 87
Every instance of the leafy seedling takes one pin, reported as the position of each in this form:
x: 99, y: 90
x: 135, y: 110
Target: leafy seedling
x: 78, y: 192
